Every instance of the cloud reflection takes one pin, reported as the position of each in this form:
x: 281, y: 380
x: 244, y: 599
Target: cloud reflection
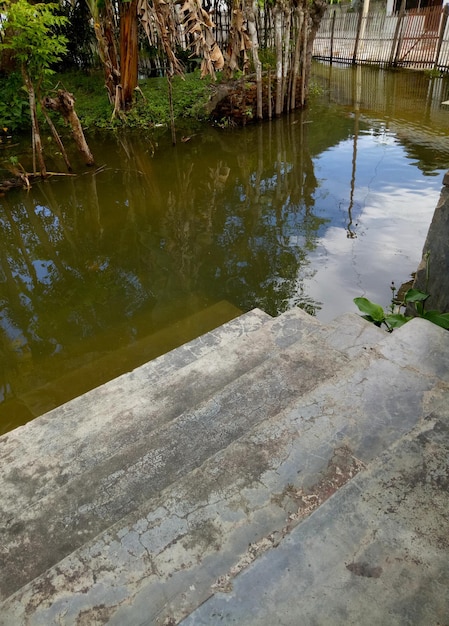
x: 391, y: 228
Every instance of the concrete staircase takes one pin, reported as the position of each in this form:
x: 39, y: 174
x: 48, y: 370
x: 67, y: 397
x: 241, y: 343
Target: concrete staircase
x: 272, y: 471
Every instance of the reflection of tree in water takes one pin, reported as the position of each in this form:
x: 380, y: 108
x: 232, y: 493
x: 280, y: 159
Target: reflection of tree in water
x: 188, y: 223
x: 87, y: 266
x: 270, y: 224
x: 57, y: 286
x: 242, y: 229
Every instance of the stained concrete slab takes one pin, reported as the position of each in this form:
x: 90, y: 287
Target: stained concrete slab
x: 375, y: 553
x: 150, y: 541
x: 79, y: 508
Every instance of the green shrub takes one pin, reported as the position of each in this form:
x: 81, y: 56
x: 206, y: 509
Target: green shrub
x: 14, y: 108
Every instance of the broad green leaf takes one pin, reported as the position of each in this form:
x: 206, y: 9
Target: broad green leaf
x: 395, y: 320
x: 370, y: 308
x: 415, y: 295
x: 440, y: 319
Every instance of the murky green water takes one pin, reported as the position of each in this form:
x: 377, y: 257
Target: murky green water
x: 101, y: 272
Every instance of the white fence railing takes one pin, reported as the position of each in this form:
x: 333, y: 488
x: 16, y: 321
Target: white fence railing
x: 417, y: 39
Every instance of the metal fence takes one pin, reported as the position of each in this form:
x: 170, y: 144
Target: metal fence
x: 416, y: 39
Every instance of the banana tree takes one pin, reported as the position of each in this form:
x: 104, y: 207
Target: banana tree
x: 105, y: 25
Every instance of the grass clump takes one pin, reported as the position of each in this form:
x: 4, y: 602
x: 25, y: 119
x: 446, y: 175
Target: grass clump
x: 151, y: 104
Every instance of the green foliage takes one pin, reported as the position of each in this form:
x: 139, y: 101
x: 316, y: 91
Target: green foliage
x: 14, y: 113
x: 267, y: 57
x: 315, y: 90
x: 433, y: 73
x: 150, y: 108
x: 30, y: 35
x: 92, y: 104
x: 374, y: 312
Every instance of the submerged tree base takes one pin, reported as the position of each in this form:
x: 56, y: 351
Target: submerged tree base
x: 236, y: 101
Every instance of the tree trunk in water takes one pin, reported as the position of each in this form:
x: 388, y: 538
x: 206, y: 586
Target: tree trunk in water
x: 278, y: 47
x: 129, y: 55
x: 297, y: 57
x: 251, y: 8
x: 270, y: 104
x: 64, y: 103
x: 313, y: 20
x: 36, y: 136
x: 304, y: 72
x: 287, y: 44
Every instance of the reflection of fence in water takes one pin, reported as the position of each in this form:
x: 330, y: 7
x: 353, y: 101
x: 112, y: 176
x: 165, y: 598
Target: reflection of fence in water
x: 417, y: 38
x: 393, y: 96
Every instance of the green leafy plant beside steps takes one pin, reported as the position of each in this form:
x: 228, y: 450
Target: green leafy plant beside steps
x: 393, y: 319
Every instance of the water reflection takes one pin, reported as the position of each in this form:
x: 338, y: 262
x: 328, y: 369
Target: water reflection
x: 100, y: 273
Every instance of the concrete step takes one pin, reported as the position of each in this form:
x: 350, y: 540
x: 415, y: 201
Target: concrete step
x: 350, y: 333
x: 190, y: 538
x: 95, y: 426
x: 104, y: 363
x: 96, y: 423
x: 375, y: 553
x: 85, y: 492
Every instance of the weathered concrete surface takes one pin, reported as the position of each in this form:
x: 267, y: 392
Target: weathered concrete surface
x: 67, y: 501
x: 375, y: 553
x: 138, y: 516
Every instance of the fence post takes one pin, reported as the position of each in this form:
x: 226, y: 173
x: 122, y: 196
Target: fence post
x: 332, y: 36
x: 395, y: 46
x: 357, y: 37
x: 443, y: 22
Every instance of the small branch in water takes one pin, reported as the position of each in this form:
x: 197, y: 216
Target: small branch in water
x: 23, y: 180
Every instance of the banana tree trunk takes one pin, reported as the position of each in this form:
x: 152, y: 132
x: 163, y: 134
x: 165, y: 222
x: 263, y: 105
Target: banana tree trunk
x: 129, y: 51
x: 107, y: 48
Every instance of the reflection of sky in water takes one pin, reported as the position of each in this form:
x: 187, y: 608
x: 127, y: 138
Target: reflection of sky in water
x: 391, y: 213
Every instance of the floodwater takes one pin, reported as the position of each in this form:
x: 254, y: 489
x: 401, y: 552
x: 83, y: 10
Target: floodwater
x: 104, y: 271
